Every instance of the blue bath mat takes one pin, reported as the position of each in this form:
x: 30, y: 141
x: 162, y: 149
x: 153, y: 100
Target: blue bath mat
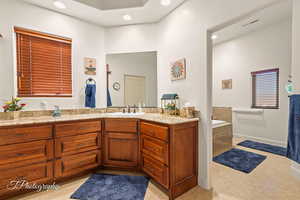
x: 112, y: 187
x: 240, y: 160
x: 264, y: 147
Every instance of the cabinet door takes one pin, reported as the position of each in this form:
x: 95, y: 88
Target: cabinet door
x: 121, y: 150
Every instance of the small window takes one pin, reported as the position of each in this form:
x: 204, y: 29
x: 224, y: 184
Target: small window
x: 44, y: 67
x: 265, y: 89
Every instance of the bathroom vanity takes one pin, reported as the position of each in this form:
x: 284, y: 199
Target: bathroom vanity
x: 48, y: 150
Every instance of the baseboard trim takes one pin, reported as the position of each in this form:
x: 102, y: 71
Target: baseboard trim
x: 296, y: 170
x: 259, y: 139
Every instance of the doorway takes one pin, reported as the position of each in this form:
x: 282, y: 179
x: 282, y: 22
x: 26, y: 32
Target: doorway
x: 250, y: 62
x: 135, y: 90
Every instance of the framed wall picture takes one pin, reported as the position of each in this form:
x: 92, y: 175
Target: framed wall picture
x: 227, y: 84
x: 178, y: 70
x: 90, y: 66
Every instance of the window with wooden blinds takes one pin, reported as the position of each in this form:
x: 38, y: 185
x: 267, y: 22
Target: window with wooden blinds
x: 44, y: 64
x: 265, y: 89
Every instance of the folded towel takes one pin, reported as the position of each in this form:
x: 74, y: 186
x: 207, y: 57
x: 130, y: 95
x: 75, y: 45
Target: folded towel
x: 293, y: 151
x: 90, y: 96
x: 109, y: 102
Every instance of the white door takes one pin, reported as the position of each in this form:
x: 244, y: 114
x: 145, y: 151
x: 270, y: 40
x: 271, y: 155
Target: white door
x: 134, y: 90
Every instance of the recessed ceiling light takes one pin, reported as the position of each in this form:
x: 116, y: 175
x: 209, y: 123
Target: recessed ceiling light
x: 165, y: 2
x: 59, y: 4
x: 214, y: 37
x: 127, y: 17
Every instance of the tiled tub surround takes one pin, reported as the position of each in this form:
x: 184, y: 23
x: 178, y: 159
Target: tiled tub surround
x: 163, y: 147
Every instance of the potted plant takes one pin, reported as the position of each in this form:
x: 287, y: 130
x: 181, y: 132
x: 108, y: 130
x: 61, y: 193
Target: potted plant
x: 14, y: 106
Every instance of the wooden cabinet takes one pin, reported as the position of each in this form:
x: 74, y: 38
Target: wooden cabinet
x: 26, y: 154
x: 77, y: 147
x: 50, y: 152
x: 170, y: 155
x: 41, y: 153
x: 121, y: 150
x: 121, y: 143
x: 75, y: 164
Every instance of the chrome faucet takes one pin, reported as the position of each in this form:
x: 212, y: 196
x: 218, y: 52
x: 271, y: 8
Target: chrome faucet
x: 134, y: 108
x: 128, y: 109
x: 56, y: 112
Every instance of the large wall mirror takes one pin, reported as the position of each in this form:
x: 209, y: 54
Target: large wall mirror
x: 132, y: 79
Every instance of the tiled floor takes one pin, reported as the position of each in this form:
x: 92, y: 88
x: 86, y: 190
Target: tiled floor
x: 272, y: 180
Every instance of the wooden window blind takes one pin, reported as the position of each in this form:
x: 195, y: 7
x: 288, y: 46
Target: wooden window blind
x: 44, y: 64
x: 265, y: 89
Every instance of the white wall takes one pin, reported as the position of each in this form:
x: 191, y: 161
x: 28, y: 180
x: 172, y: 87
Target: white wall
x: 88, y: 41
x: 184, y: 33
x: 266, y: 48
x: 137, y: 64
x: 131, y: 39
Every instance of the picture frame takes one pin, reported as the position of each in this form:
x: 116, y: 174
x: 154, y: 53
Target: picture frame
x: 90, y: 66
x: 178, y: 70
x: 227, y: 84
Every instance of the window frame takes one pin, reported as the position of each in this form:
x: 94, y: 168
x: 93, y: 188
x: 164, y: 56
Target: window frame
x: 41, y: 35
x: 253, y: 74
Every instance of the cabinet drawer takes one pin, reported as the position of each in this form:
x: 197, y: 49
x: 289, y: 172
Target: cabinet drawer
x: 156, y: 148
x: 76, y: 144
x: 121, y: 125
x: 155, y: 169
x: 71, y: 165
x: 27, y: 152
x: 160, y: 132
x: 25, y: 134
x: 75, y: 128
x: 37, y: 173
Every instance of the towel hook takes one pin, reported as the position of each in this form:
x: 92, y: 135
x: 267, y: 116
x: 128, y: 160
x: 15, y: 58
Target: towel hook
x: 89, y: 80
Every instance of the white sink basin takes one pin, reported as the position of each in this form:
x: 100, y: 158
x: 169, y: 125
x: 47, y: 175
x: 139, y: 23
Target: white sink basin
x: 126, y: 114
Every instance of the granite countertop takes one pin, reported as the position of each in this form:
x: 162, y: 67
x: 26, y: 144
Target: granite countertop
x: 154, y: 117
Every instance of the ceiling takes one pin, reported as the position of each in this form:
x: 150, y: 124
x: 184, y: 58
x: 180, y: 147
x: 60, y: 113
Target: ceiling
x: 266, y: 17
x: 113, y: 4
x: 110, y: 12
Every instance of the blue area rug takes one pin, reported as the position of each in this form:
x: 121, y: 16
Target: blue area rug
x: 264, y: 147
x: 240, y: 160
x: 112, y: 187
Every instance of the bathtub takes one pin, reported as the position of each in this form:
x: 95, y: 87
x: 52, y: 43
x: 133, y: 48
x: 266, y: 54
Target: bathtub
x: 219, y: 123
x: 222, y: 136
